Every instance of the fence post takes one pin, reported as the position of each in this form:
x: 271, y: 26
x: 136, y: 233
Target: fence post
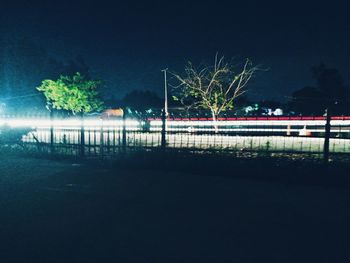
x: 124, y: 131
x: 51, y: 132
x: 101, y: 138
x: 82, y: 136
x: 327, y: 136
x: 163, y: 135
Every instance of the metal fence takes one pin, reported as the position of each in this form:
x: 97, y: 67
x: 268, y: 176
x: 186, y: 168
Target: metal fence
x: 97, y: 137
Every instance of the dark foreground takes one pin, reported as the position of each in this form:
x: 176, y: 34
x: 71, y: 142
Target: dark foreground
x: 165, y: 209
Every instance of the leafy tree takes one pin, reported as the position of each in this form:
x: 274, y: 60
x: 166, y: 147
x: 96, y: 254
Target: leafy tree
x: 215, y: 87
x: 72, y: 93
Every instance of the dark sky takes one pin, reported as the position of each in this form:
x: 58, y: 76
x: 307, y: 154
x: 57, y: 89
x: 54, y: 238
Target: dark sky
x: 128, y: 43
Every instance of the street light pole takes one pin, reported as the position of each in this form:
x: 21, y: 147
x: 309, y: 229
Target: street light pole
x: 165, y: 92
x: 164, y: 112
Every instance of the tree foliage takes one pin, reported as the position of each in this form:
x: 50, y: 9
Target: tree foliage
x: 72, y: 93
x: 215, y: 87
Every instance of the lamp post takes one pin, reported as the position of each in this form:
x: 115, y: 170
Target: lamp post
x: 165, y: 111
x: 327, y: 136
x: 165, y: 92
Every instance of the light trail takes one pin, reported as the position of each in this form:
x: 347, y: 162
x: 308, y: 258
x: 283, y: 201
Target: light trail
x: 237, y: 125
x: 73, y: 123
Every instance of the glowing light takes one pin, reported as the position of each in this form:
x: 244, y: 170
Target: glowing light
x: 256, y: 124
x: 68, y: 123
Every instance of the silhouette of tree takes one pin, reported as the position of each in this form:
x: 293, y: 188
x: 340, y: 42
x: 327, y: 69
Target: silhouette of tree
x: 330, y: 82
x: 329, y: 92
x: 142, y: 100
x: 308, y: 101
x: 76, y: 65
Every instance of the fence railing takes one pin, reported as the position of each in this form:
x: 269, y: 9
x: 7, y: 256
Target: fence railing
x: 97, y: 137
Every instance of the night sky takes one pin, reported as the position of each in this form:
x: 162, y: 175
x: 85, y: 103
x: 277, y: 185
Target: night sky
x: 128, y: 43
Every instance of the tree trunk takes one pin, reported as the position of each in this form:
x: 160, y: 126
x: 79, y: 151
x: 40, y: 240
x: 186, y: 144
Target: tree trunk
x: 215, y: 121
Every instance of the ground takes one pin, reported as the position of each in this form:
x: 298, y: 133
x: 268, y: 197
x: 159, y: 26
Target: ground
x: 70, y: 211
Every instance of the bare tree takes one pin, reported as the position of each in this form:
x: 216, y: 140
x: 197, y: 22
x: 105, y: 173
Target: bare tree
x: 214, y: 88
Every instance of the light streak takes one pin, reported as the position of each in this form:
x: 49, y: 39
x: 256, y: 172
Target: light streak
x: 256, y: 125
x: 66, y: 123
